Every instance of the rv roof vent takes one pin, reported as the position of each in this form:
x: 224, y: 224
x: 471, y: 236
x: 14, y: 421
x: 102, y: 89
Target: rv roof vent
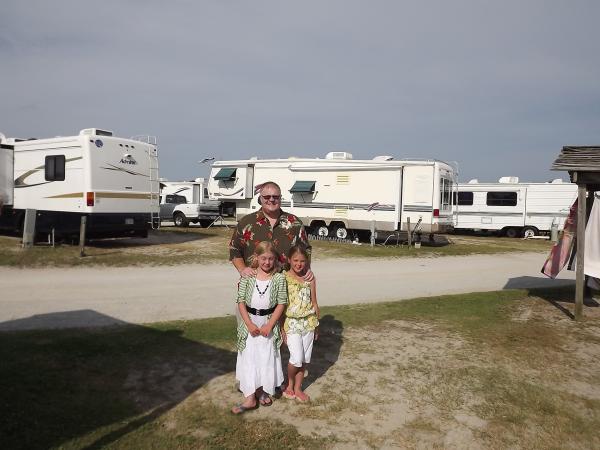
x: 199, y: 180
x: 383, y: 158
x: 473, y: 181
x: 557, y: 180
x: 508, y: 180
x: 95, y: 132
x: 253, y: 158
x: 338, y: 155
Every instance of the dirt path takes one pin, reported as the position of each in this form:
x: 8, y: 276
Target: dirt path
x: 47, y: 298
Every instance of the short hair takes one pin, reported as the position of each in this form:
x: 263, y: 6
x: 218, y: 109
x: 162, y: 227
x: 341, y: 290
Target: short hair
x: 262, y: 248
x: 267, y: 184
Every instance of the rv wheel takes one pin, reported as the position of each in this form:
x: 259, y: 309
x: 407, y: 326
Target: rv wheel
x: 341, y: 233
x: 322, y: 230
x: 529, y: 232
x: 180, y: 220
x: 511, y: 232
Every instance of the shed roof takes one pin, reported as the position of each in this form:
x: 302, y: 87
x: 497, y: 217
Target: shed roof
x: 578, y: 159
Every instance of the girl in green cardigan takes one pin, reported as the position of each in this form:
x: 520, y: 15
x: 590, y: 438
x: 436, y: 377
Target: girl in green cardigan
x: 261, y: 301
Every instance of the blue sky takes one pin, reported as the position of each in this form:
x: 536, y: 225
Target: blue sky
x: 498, y: 87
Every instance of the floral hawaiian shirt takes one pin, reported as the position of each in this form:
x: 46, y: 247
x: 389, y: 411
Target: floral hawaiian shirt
x: 254, y: 228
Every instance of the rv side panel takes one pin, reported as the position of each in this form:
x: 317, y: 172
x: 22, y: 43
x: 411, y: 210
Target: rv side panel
x: 6, y: 175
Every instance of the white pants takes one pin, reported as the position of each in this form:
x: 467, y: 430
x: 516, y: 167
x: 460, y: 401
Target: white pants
x: 300, y: 347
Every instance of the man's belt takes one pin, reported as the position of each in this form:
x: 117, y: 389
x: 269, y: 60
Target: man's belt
x: 260, y: 312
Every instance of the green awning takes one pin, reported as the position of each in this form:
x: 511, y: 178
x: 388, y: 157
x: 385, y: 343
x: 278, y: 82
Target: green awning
x: 226, y: 173
x: 303, y: 187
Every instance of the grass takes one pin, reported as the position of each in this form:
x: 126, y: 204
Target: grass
x: 134, y: 386
x: 195, y: 245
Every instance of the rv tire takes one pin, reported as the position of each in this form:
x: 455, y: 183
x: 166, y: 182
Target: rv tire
x: 322, y: 230
x: 205, y: 223
x: 340, y: 232
x: 529, y: 232
x: 180, y: 220
x: 511, y: 232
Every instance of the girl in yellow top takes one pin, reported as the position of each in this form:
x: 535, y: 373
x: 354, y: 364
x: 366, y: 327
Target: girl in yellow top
x: 302, y: 319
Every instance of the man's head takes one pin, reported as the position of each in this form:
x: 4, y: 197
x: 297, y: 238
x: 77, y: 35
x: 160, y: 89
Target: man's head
x: 270, y: 198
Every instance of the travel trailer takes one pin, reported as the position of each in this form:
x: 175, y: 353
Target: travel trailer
x: 187, y: 201
x: 338, y: 194
x: 513, y: 208
x: 111, y: 180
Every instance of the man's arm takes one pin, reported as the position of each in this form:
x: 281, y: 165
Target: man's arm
x: 236, y: 254
x: 241, y: 267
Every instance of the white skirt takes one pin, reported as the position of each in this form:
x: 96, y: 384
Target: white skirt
x: 259, y: 364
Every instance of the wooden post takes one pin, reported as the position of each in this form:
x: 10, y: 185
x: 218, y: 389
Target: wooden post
x: 29, y: 228
x: 580, y: 277
x: 408, y: 229
x: 82, y: 236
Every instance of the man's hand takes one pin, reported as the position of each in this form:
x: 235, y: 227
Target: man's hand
x: 248, y: 272
x: 309, y: 276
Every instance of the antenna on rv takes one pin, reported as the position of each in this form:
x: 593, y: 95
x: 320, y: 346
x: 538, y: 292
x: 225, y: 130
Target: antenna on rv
x: 205, y: 160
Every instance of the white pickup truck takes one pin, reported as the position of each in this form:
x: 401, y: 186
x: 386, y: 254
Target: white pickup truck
x: 186, y: 202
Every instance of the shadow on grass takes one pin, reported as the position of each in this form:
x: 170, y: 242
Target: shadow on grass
x: 326, y: 349
x: 95, y: 386
x: 561, y: 296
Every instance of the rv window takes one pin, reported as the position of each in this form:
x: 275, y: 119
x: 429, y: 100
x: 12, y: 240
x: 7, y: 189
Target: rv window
x: 464, y: 199
x: 54, y: 167
x: 501, y: 199
x: 176, y: 199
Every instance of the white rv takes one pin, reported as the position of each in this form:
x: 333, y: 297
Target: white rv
x: 338, y: 193
x: 513, y: 208
x: 187, y: 201
x: 111, y: 180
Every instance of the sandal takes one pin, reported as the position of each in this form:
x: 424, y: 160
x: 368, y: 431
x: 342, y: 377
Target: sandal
x: 241, y: 409
x: 290, y: 395
x: 302, y: 397
x: 265, y: 400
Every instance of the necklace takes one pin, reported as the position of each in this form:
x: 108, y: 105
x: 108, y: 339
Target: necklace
x: 262, y: 294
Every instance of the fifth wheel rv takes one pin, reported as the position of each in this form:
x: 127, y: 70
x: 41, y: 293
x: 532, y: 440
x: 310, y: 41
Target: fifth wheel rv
x: 513, y: 208
x: 111, y: 180
x: 339, y: 194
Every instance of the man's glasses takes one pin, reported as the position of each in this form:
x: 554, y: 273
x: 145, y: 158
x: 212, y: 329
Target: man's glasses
x: 271, y: 197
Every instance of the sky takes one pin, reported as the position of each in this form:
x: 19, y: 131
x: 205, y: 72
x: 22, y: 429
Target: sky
x: 496, y: 86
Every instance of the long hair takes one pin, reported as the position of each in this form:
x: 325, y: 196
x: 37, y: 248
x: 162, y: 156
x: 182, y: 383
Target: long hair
x: 262, y: 248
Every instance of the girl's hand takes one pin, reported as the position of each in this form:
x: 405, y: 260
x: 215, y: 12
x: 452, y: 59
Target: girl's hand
x: 265, y: 330
x: 317, y: 311
x: 316, y: 334
x: 253, y: 330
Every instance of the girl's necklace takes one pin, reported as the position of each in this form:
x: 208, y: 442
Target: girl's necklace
x: 262, y: 294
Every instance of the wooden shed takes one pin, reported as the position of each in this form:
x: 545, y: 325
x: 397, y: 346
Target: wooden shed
x: 583, y: 165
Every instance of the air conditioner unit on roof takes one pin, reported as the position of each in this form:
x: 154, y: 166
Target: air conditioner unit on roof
x: 338, y: 155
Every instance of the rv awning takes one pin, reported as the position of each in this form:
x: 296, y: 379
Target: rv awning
x: 226, y: 173
x: 303, y: 187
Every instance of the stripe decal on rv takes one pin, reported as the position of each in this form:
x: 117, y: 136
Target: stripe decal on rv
x: 352, y: 206
x: 143, y: 196
x: 120, y: 169
x: 20, y: 181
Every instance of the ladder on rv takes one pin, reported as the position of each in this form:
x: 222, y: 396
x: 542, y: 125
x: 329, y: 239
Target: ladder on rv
x: 154, y: 182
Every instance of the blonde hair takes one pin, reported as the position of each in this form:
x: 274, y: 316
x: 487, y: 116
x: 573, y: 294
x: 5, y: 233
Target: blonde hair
x: 261, y: 249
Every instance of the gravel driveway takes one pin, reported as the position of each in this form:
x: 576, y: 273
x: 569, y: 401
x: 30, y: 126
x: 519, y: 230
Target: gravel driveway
x: 75, y: 297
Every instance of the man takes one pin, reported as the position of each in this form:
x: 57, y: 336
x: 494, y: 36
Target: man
x: 269, y: 223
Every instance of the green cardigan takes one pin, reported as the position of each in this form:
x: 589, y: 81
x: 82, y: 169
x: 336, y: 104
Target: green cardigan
x: 278, y: 296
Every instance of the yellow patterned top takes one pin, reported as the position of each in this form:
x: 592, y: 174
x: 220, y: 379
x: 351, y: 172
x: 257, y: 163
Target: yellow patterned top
x: 300, y: 314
